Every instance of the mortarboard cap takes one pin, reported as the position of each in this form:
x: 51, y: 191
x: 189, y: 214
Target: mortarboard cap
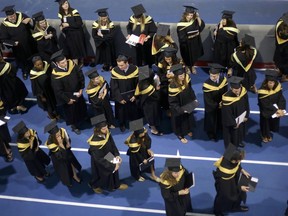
x: 102, y: 12
x: 271, y: 75
x: 235, y: 82
x: 285, y: 18
x: 169, y: 51
x: 215, y: 68
x: 233, y: 153
x: 248, y: 40
x: 173, y: 164
x: 51, y: 128
x: 99, y: 121
x: 9, y: 10
x: 227, y: 14
x: 20, y: 128
x: 136, y: 124
x: 38, y: 16
x: 177, y: 69
x: 61, y: 1
x: 57, y: 56
x: 163, y: 30
x: 190, y: 9
x: 138, y: 10
x: 92, y: 73
x: 144, y: 72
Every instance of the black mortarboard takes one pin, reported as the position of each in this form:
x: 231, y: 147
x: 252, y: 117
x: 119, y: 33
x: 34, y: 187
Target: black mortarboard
x: 60, y: 1
x: 102, y: 12
x: 248, y: 40
x: 169, y: 51
x: 177, y: 69
x: 144, y: 72
x: 38, y: 16
x: 271, y: 75
x: 163, y: 30
x: 99, y: 121
x: 190, y: 9
x: 173, y: 164
x: 233, y: 153
x: 235, y: 82
x: 227, y: 14
x: 138, y: 10
x: 136, y: 124
x: 285, y: 18
x: 215, y: 68
x: 20, y: 128
x: 9, y: 10
x: 92, y: 73
x: 51, y: 128
x: 57, y: 56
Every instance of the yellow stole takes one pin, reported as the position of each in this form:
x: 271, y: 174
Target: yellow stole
x: 230, y: 30
x: 36, y: 74
x: 181, y: 173
x: 210, y: 88
x: 227, y: 100
x: 93, y: 91
x: 74, y: 13
x: 115, y: 75
x: 7, y: 67
x: 18, y: 22
x: 150, y: 89
x: 132, y: 145
x: 250, y: 63
x: 266, y: 93
x: 175, y: 91
x: 99, y: 143
x: 60, y: 74
x: 280, y: 40
x: 225, y: 170
x: 23, y: 146
x: 185, y: 24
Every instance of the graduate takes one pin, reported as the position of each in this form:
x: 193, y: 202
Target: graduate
x: 103, y: 32
x: 176, y: 196
x: 36, y: 160
x: 123, y: 83
x: 142, y: 24
x: 64, y: 161
x: 68, y: 83
x: 99, y: 98
x: 139, y: 152
x: 229, y: 194
x: 213, y: 89
x: 105, y: 170
x: 234, y: 104
x: 272, y: 105
x: 189, y: 31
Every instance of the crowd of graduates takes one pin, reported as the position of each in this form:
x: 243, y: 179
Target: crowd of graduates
x: 157, y: 84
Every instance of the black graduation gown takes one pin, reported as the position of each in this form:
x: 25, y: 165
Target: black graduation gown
x: 182, y: 123
x: 64, y: 84
x: 10, y: 33
x: 242, y: 67
x: 233, y: 107
x: 101, y: 106
x: 102, y: 170
x: 12, y: 89
x: 74, y: 44
x: 34, y: 157
x: 63, y: 158
x: 137, y: 153
x: 228, y: 193
x: 176, y: 205
x: 266, y: 101
x: 143, y: 52
x: 41, y: 88
x: 5, y: 137
x: 122, y: 82
x: 190, y: 48
x: 105, y: 47
x: 213, y: 92
x: 225, y: 42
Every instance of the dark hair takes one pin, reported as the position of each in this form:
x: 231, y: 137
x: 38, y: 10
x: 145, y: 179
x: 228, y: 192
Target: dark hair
x: 36, y: 58
x: 61, y: 10
x: 264, y: 84
x: 238, y: 155
x: 122, y: 58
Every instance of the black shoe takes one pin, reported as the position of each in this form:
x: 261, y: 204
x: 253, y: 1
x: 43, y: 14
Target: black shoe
x: 38, y: 180
x: 76, y: 130
x: 25, y: 76
x: 241, y: 145
x: 122, y: 128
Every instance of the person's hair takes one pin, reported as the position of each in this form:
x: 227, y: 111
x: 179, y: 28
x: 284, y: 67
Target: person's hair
x: 36, y: 58
x: 62, y: 12
x: 97, y: 131
x: 122, y: 58
x: 248, y: 51
x: 167, y: 176
x: 176, y: 81
x: 185, y: 14
x: 238, y: 155
x: 175, y: 60
x: 230, y: 23
x: 283, y: 30
x: 37, y: 26
x: 264, y: 84
x: 142, y: 23
x: 107, y: 22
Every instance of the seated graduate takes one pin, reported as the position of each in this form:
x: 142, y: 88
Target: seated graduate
x: 64, y: 161
x: 36, y: 160
x: 229, y: 194
x: 176, y: 196
x: 141, y: 157
x: 105, y: 173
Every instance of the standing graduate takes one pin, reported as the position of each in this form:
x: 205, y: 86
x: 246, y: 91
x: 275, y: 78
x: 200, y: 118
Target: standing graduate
x: 176, y: 196
x: 181, y: 93
x: 36, y: 160
x: 99, y: 98
x: 15, y: 33
x: 229, y: 194
x: 5, y: 138
x: 103, y: 31
x: 64, y: 161
x: 45, y: 36
x: 140, y: 25
x: 40, y: 77
x: 68, y: 83
x: 148, y: 92
x: 189, y: 34
x: 242, y: 62
x: 272, y: 105
x: 105, y: 173
x: 213, y: 88
x: 123, y: 84
x: 139, y: 152
x: 226, y: 40
x: 72, y: 28
x: 234, y: 104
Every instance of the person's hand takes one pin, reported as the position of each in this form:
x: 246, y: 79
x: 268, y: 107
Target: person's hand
x: 79, y: 93
x: 147, y: 38
x: 150, y: 152
x: 16, y: 43
x: 244, y: 172
x: 237, y: 126
x: 65, y: 25
x: 183, y: 192
x: 117, y: 166
x: 158, y: 87
x: 71, y: 101
x: 245, y: 119
x: 132, y: 99
x: 99, y: 33
x: 128, y: 36
x: 145, y: 161
x: 122, y: 102
x: 48, y: 36
x: 119, y: 159
x: 104, y: 93
x: 26, y: 20
x: 245, y: 188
